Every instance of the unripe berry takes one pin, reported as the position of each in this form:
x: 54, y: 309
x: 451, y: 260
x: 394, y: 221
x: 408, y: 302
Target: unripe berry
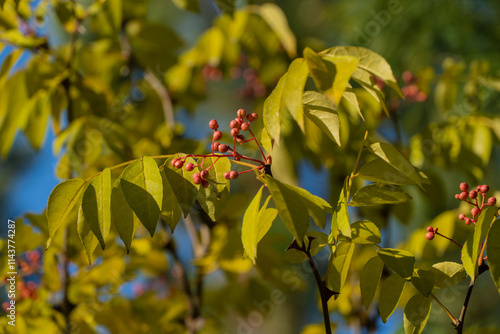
x: 430, y: 229
x: 474, y: 212
x: 245, y: 126
x: 204, y: 174
x: 227, y: 175
x: 223, y: 148
x: 240, y: 139
x: 189, y: 166
x: 429, y: 235
x: 473, y: 194
x: 241, y: 113
x: 233, y: 174
x: 205, y: 183
x: 235, y: 132
x: 217, y: 135
x: 249, y: 117
x: 215, y: 146
x: 213, y: 124
x: 173, y: 161
x: 197, y: 178
x: 179, y: 164
x: 435, y: 230
x: 492, y: 201
x: 234, y: 124
x: 461, y: 216
x: 463, y: 196
x: 464, y: 186
x: 484, y: 189
x: 468, y: 221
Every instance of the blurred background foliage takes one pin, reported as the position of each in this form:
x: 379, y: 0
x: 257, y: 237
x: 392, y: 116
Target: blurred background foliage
x: 102, y: 82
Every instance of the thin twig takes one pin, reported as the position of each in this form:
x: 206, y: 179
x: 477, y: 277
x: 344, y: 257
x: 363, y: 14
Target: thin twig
x: 455, y: 321
x: 321, y: 288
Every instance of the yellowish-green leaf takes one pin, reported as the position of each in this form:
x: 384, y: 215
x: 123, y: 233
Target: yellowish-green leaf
x: 390, y: 293
x: 376, y: 194
x: 250, y: 226
x: 171, y: 212
x: 294, y: 88
x: 447, y: 274
x: 344, y: 68
x: 322, y: 112
x: 370, y: 279
x: 494, y: 253
x: 416, y: 314
x: 399, y: 260
x: 276, y: 19
x: 338, y: 266
x: 273, y: 110
x: 423, y: 280
x: 87, y: 237
x: 122, y: 215
x: 365, y: 232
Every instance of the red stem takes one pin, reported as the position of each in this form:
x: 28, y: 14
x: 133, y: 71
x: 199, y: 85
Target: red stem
x: 260, y: 149
x: 456, y: 243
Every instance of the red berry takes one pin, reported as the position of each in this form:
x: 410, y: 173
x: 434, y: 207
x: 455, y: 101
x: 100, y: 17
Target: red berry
x: 233, y: 174
x: 235, y: 132
x: 240, y: 139
x: 255, y: 117
x: 205, y: 183
x: 429, y: 235
x: 473, y: 194
x: 215, y: 146
x: 233, y: 124
x: 457, y: 196
x: 484, y: 189
x: 173, y: 161
x: 463, y: 196
x: 435, y: 229
x: 461, y: 216
x: 227, y: 175
x: 241, y: 113
x: 430, y: 229
x: 217, y: 135
x: 245, y: 126
x: 478, y: 188
x: 249, y: 117
x: 474, y: 212
x: 492, y: 201
x: 204, y: 174
x: 213, y: 124
x: 464, y: 186
x: 197, y: 178
x: 179, y: 163
x: 223, y: 148
x: 189, y: 166
x: 468, y: 221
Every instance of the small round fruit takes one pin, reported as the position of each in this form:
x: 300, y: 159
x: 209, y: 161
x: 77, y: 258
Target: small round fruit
x: 205, y: 183
x: 204, y: 174
x: 241, y: 113
x: 430, y: 229
x: 245, y: 126
x: 474, y: 212
x: 473, y: 194
x: 233, y: 175
x: 217, y: 135
x: 223, y: 148
x: 240, y: 139
x: 197, y: 178
x: 173, y: 161
x: 485, y: 188
x: 215, y: 146
x: 457, y: 196
x: 234, y: 124
x: 249, y: 117
x: 235, y: 132
x: 255, y: 117
x: 492, y: 201
x: 227, y: 175
x: 461, y: 216
x: 179, y: 164
x: 463, y: 196
x: 464, y: 186
x: 429, y: 235
x: 189, y: 166
x: 213, y: 124
x: 468, y: 221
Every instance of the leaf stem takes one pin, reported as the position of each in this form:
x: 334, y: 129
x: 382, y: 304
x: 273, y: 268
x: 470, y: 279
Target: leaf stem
x: 455, y: 321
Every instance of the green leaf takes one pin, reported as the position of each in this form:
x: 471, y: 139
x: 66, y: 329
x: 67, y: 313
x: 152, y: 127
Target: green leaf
x: 344, y: 68
x: 96, y: 205
x: 338, y: 266
x: 36, y: 127
x: 226, y: 5
x: 212, y: 202
x: 122, y: 215
x: 216, y: 176
x: 352, y: 99
x: 376, y: 194
x: 294, y: 88
x: 393, y: 157
x: 423, y: 280
x: 318, y: 242
x: 390, y: 293
x: 447, y: 274
x: 276, y: 19
x: 266, y: 219
x: 368, y: 83
x: 378, y: 170
x: 369, y: 61
x: 318, y: 70
x: 416, y: 314
x: 142, y: 187
x: 365, y: 232
x: 369, y: 279
x: 471, y: 248
x: 494, y: 253
x: 273, y: 110
x: 340, y: 217
x: 322, y: 112
x: 86, y: 235
x: 250, y: 227
x: 62, y: 200
x: 182, y: 181
x: 399, y: 260
x: 171, y: 212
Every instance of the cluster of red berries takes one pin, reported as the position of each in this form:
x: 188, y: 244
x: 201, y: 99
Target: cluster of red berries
x: 240, y: 123
x: 211, y: 73
x: 410, y: 89
x: 474, y: 197
x: 430, y: 232
x: 23, y: 291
